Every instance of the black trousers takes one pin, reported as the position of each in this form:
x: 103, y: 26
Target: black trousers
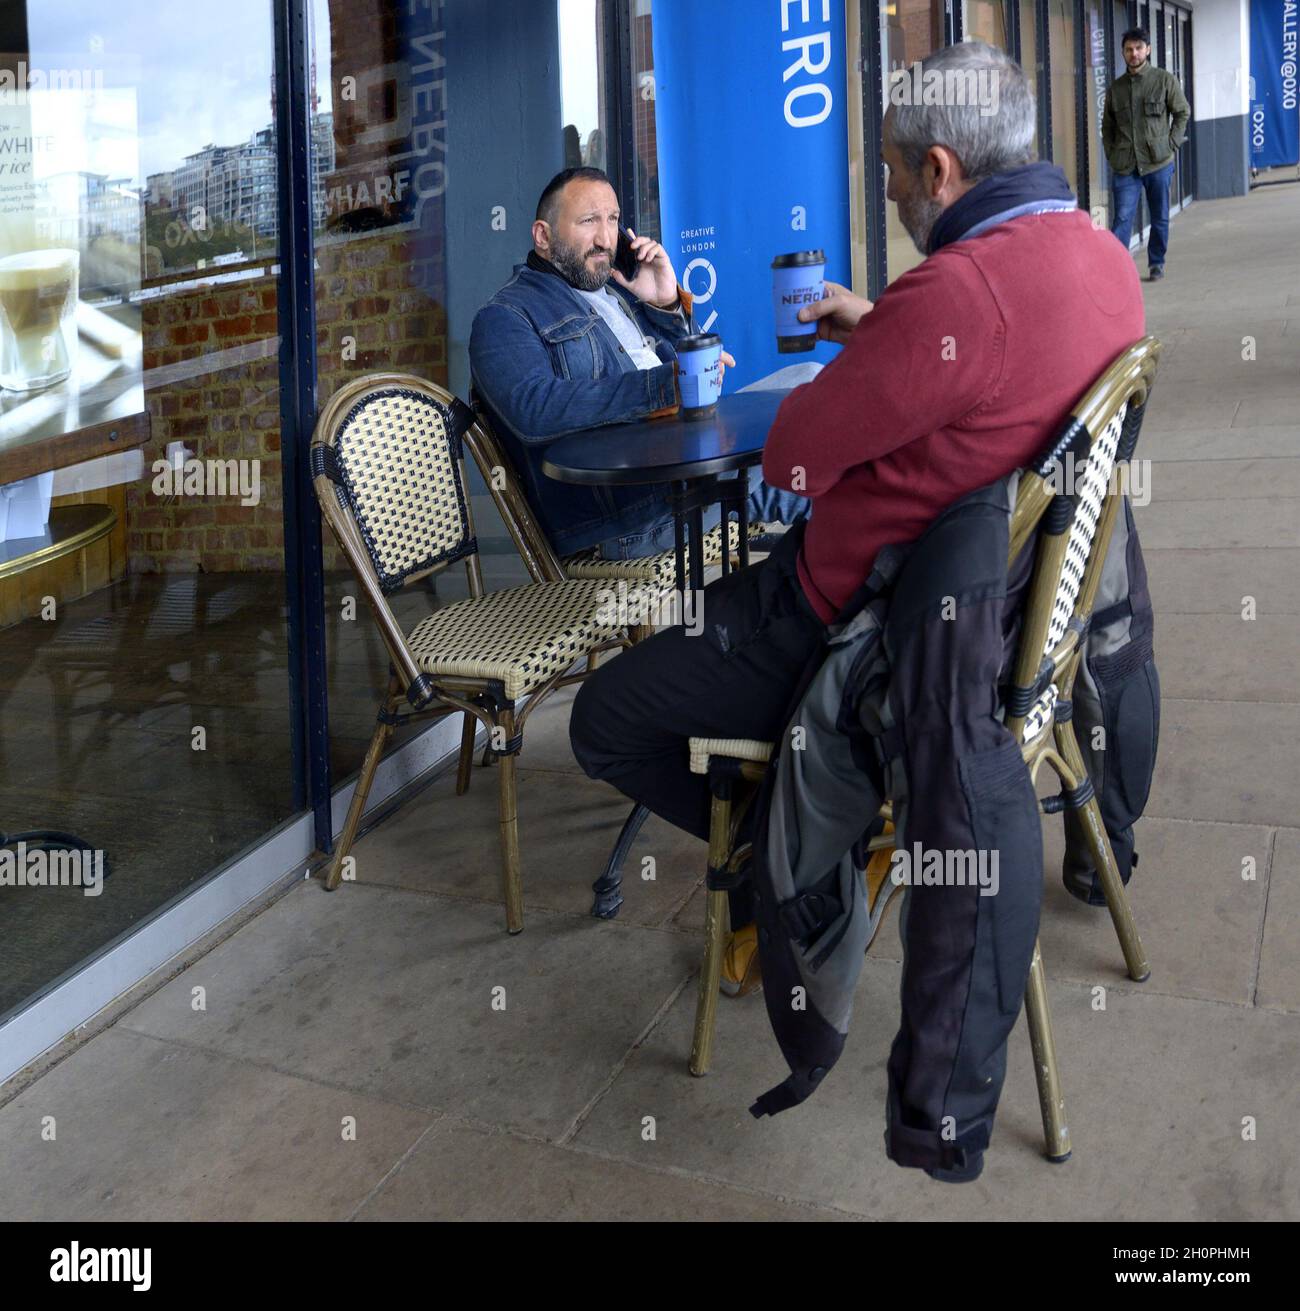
x: 735, y: 677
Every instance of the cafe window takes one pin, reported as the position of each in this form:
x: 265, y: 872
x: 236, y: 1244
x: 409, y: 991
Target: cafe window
x: 910, y: 30
x: 986, y: 20
x: 1064, y: 85
x: 143, y: 622
x: 1098, y: 82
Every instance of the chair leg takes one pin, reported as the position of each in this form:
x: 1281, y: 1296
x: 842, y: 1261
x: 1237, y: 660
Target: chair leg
x: 465, y: 765
x: 1117, y: 902
x: 1051, y: 1100
x: 706, y: 1005
x: 512, y: 891
x: 374, y: 753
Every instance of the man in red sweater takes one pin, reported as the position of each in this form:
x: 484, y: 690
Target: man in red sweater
x: 959, y: 374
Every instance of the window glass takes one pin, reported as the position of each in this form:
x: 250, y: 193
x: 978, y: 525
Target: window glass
x: 910, y: 30
x: 1030, y: 62
x: 143, y: 629
x: 1098, y: 76
x: 986, y: 20
x: 1065, y: 138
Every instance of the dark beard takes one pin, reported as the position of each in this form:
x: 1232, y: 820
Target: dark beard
x: 573, y: 267
x: 919, y: 218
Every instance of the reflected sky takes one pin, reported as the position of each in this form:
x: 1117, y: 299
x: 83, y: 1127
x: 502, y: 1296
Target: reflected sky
x: 203, y: 71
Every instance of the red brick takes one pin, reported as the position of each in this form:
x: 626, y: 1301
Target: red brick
x: 241, y: 326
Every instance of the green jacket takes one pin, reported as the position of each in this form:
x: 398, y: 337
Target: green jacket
x: 1136, y: 131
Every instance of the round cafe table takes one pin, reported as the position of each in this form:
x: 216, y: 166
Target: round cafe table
x: 688, y: 455
x: 691, y: 457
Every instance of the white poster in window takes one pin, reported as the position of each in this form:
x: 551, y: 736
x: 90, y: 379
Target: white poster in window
x: 70, y: 235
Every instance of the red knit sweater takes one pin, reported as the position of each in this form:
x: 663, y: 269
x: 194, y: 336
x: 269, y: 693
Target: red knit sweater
x: 961, y: 373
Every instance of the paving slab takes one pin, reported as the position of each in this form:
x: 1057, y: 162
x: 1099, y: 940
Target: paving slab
x: 1216, y: 582
x: 1228, y: 480
x: 1218, y: 524
x: 1156, y: 1091
x: 152, y: 1130
x: 1234, y: 761
x: 568, y: 825
x: 464, y: 1172
x: 1196, y: 441
x: 1227, y: 658
x: 1279, y: 967
x: 1199, y: 920
x: 392, y: 994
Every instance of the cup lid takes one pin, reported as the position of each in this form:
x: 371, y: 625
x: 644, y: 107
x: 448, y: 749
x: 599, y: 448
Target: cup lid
x: 700, y: 342
x: 799, y: 257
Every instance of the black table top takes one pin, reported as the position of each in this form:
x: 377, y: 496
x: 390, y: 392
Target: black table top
x: 668, y: 450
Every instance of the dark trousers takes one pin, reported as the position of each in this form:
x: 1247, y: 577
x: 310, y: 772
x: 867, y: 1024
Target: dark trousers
x: 735, y: 678
x: 1127, y: 189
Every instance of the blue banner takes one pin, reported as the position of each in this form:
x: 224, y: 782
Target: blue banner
x: 1274, y: 116
x: 751, y: 118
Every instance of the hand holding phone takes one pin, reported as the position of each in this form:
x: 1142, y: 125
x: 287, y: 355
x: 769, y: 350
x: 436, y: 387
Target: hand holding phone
x: 644, y: 268
x: 625, y: 261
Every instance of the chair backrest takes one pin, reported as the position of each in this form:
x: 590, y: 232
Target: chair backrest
x: 390, y: 446
x: 507, y: 494
x: 1069, y: 499
x: 389, y: 474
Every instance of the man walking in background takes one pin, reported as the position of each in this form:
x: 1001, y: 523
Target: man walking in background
x: 1144, y: 124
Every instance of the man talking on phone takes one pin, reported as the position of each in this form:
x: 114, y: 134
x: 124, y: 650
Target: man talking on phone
x: 583, y: 335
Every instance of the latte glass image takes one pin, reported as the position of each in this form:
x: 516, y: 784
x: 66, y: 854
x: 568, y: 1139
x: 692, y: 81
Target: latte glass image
x: 38, y: 320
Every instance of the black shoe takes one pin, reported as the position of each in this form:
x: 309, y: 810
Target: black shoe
x: 1156, y: 272
x: 1084, y: 887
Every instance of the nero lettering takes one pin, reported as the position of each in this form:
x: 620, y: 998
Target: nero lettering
x: 808, y: 103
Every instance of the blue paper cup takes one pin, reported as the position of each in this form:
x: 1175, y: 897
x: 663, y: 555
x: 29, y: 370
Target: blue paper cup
x: 798, y: 279
x: 699, y: 374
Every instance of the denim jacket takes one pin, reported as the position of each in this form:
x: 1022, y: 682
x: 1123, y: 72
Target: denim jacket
x: 544, y: 364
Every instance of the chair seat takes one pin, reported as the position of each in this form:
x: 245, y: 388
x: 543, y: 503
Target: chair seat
x: 658, y: 571
x: 733, y: 748
x: 522, y: 636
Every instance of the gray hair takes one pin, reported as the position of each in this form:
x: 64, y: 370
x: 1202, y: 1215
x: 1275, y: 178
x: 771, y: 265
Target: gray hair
x: 986, y: 139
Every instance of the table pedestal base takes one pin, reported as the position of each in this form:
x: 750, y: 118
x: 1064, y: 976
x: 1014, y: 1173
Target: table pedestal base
x: 609, y: 887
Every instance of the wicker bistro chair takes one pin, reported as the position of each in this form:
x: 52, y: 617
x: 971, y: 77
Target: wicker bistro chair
x: 389, y: 474
x: 1074, y: 530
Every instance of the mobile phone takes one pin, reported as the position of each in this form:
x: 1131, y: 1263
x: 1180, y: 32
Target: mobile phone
x: 625, y: 260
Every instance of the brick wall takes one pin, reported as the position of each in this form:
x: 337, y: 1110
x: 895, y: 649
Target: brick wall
x: 385, y: 291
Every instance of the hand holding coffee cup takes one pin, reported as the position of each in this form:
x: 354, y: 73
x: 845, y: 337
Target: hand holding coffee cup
x: 836, y: 314
x: 797, y: 281
x: 699, y: 374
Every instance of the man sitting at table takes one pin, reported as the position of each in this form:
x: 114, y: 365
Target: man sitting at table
x: 570, y: 343
x: 957, y: 376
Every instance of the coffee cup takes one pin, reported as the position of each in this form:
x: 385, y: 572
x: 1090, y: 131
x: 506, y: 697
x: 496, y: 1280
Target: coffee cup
x: 38, y: 318
x: 798, y: 279
x: 699, y: 374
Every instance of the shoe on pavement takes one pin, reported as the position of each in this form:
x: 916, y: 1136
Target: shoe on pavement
x: 741, y: 974
x: 1156, y: 272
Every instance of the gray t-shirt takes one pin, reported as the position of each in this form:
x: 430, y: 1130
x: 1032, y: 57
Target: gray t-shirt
x: 641, y: 350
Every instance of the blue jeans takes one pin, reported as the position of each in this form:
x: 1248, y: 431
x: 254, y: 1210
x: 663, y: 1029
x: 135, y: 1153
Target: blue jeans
x: 1156, y: 185
x: 766, y: 504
